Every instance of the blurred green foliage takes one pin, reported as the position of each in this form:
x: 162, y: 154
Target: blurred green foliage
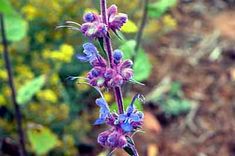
x: 26, y: 93
x: 158, y: 8
x: 43, y: 58
x: 16, y: 26
x: 171, y: 99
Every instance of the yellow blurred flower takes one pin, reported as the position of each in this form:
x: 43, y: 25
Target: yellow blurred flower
x: 3, y: 74
x: 47, y: 95
x: 24, y: 72
x: 30, y: 12
x: 6, y: 91
x: 152, y: 27
x: 64, y: 54
x: 169, y: 22
x: 40, y: 37
x: 108, y: 96
x: 2, y: 100
x: 65, y: 109
x: 54, y: 79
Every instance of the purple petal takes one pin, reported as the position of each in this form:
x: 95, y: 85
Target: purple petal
x: 127, y: 127
x: 99, y: 121
x: 112, y: 10
x: 82, y: 58
x: 135, y: 117
x: 90, y: 48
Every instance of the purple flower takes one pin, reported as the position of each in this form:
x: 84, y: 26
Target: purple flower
x: 116, y: 20
x: 90, y: 51
x: 103, y: 76
x: 104, y: 111
x: 94, y: 30
x: 112, y: 138
x: 132, y: 118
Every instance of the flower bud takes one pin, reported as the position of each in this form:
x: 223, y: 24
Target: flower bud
x: 116, y: 81
x: 112, y: 140
x: 95, y: 72
x: 126, y: 64
x: 109, y: 73
x: 127, y: 73
x: 102, y: 138
x: 122, y: 142
x: 89, y: 17
x: 117, y: 55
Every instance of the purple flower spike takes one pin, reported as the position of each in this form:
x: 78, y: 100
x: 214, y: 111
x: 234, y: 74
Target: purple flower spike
x: 116, y: 20
x: 90, y: 51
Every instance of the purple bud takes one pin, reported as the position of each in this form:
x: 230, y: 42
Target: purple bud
x: 113, y: 139
x: 117, y: 21
x: 95, y: 72
x: 117, y: 55
x: 122, y: 142
x: 112, y: 10
x: 109, y: 73
x: 89, y: 17
x: 127, y: 73
x: 102, y: 138
x: 126, y: 64
x: 116, y: 81
x: 100, y: 62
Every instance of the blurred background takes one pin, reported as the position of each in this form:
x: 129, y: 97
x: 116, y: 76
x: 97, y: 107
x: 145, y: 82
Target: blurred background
x: 186, y: 61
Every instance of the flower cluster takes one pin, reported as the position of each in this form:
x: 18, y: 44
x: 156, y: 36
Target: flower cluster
x: 101, y: 75
x: 94, y: 27
x: 122, y: 125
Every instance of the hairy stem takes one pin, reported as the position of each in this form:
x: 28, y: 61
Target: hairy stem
x: 108, y: 44
x: 107, y: 40
x: 18, y: 115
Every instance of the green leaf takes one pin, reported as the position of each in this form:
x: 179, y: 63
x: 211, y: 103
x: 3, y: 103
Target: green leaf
x: 142, y: 66
x: 42, y: 140
x: 26, y: 93
x: 129, y: 151
x: 158, y: 8
x: 129, y: 27
x: 126, y: 103
x: 16, y: 27
x: 6, y: 8
x: 128, y: 48
x: 141, y: 72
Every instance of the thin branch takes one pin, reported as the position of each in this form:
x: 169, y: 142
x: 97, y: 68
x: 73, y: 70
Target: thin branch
x: 18, y: 115
x: 141, y: 29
